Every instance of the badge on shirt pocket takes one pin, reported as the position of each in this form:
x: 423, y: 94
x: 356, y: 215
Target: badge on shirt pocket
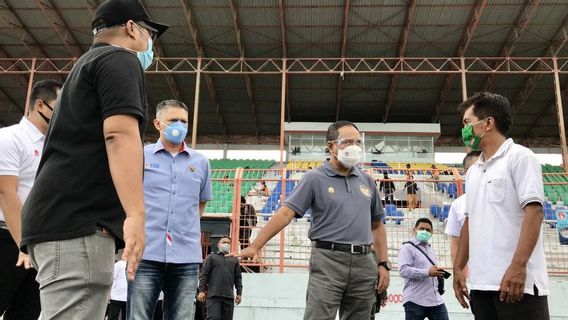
x: 192, y: 169
x: 365, y: 190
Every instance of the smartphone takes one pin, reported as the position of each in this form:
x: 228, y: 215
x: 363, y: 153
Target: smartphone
x: 446, y: 274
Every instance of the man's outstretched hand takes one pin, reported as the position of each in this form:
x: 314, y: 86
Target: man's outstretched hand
x: 248, y: 252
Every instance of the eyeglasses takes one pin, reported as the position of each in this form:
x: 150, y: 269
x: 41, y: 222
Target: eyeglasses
x: 348, y: 142
x: 153, y: 32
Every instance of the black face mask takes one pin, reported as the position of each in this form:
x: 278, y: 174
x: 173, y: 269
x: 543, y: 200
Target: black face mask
x: 46, y: 119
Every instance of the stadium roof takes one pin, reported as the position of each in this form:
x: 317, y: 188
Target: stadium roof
x: 246, y: 107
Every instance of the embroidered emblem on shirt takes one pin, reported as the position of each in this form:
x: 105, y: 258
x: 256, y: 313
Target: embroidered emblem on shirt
x: 331, y: 190
x: 151, y: 165
x: 192, y: 169
x: 36, y: 153
x: 365, y: 190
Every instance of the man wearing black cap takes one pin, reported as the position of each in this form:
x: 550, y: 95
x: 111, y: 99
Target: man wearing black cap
x: 87, y: 200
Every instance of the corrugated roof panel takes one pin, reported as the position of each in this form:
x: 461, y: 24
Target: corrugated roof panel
x: 550, y: 13
x: 378, y: 17
x: 327, y: 16
x: 258, y: 17
x: 440, y: 15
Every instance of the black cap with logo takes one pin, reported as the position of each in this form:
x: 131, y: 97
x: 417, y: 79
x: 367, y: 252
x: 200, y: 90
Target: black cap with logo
x: 116, y: 12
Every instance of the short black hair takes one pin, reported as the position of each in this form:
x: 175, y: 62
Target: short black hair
x: 243, y: 199
x: 333, y: 130
x: 223, y: 237
x: 492, y: 105
x: 425, y: 220
x: 471, y: 154
x: 408, y: 166
x: 45, y: 90
x: 170, y: 103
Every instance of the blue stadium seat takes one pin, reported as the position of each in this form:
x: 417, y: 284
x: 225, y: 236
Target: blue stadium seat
x: 435, y: 210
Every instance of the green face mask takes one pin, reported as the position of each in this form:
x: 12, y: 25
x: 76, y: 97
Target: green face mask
x: 470, y: 140
x: 423, y: 236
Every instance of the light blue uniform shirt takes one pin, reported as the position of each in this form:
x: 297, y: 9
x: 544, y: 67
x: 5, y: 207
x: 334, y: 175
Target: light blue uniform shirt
x: 173, y: 188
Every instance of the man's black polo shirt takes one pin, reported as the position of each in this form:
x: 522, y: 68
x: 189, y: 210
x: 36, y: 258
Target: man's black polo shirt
x: 73, y: 192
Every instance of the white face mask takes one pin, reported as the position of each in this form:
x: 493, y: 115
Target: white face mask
x: 350, y: 156
x: 225, y: 247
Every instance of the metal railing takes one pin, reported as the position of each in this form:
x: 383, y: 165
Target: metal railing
x: 290, y: 249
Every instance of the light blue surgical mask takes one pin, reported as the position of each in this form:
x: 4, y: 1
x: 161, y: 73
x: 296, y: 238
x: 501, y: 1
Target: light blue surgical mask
x: 423, y: 236
x: 176, y: 132
x: 146, y: 57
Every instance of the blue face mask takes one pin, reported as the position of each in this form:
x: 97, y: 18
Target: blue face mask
x: 176, y: 132
x: 145, y: 57
x: 423, y: 236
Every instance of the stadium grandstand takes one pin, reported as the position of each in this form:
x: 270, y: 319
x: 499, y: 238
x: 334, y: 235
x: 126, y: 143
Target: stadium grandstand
x: 271, y: 74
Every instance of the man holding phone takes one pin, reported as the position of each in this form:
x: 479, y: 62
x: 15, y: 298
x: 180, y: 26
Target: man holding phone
x: 423, y: 279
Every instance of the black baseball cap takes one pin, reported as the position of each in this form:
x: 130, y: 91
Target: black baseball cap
x: 116, y: 12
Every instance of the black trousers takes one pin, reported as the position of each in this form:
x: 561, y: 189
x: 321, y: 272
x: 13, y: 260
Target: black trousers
x: 19, y: 291
x: 117, y: 310
x: 219, y: 308
x: 486, y: 305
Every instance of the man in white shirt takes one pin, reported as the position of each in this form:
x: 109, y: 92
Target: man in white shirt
x: 21, y: 146
x: 457, y: 214
x: 505, y: 196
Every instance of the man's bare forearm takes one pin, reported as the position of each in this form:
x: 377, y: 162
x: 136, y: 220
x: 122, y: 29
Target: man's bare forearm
x: 530, y: 232
x: 202, y: 206
x: 462, y: 255
x: 454, y: 249
x: 12, y: 208
x: 279, y: 221
x: 380, y: 240
x: 125, y: 157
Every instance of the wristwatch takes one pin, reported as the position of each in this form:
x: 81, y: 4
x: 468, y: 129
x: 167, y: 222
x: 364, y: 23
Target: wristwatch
x: 386, y: 264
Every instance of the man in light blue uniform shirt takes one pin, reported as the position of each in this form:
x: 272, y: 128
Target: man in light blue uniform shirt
x: 177, y: 186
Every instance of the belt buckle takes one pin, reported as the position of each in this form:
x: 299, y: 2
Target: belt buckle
x: 353, y: 249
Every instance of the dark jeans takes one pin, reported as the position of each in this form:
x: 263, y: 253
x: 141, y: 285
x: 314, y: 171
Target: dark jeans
x: 486, y: 305
x: 219, y: 308
x: 178, y: 281
x: 416, y: 312
x: 19, y: 291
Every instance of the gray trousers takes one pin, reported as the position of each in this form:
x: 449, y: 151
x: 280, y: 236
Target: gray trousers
x: 74, y: 276
x: 340, y: 280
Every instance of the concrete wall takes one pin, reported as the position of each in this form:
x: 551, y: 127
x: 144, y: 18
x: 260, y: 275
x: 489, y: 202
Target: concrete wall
x: 282, y: 297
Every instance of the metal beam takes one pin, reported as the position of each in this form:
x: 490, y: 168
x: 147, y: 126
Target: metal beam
x: 16, y: 22
x: 60, y: 26
x: 318, y: 66
x: 242, y: 53
x: 560, y: 116
x: 557, y: 43
x: 402, y: 42
x: 545, y: 109
x: 283, y: 28
x: 467, y: 36
x: 284, y: 48
x: 170, y: 80
x: 200, y: 53
x: 340, y: 78
x: 523, y: 20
